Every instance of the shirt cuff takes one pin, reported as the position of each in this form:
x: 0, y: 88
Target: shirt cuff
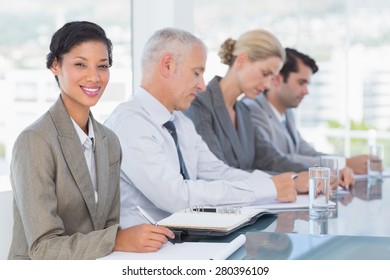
x: 263, y: 186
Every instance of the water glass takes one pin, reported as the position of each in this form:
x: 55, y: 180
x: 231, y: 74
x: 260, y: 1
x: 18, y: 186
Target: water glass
x: 375, y: 161
x: 333, y: 163
x: 319, y: 191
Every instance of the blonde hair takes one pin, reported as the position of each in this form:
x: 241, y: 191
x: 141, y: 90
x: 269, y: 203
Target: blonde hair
x: 259, y: 44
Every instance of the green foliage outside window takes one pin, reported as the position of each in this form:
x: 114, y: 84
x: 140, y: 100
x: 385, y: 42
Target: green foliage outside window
x: 358, y: 145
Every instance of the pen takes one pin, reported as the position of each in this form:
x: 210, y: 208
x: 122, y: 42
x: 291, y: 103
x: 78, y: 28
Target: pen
x: 151, y: 220
x: 219, y: 210
x: 205, y: 209
x: 147, y: 216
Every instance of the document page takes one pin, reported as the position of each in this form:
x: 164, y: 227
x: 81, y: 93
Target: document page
x: 185, y: 251
x: 302, y: 202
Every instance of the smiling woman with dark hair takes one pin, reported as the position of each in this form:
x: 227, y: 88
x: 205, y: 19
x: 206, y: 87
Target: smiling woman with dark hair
x: 65, y: 166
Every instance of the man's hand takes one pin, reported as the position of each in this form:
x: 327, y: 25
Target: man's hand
x: 347, y: 178
x: 302, y: 182
x: 285, y: 187
x: 358, y: 164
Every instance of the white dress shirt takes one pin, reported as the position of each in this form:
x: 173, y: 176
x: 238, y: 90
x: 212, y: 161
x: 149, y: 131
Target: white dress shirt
x: 281, y: 117
x: 88, y: 143
x: 150, y: 170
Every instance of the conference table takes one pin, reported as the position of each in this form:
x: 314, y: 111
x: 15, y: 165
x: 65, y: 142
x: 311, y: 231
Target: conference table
x: 357, y: 228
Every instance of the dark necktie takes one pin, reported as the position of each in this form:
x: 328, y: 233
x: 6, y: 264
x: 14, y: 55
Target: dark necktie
x: 172, y: 130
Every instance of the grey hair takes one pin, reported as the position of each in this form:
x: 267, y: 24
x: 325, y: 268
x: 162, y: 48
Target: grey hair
x: 168, y: 40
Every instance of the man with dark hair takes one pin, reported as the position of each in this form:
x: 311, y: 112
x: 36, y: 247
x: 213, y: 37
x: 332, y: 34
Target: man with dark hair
x: 272, y: 112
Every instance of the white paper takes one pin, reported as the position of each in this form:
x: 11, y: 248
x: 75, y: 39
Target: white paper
x: 302, y: 202
x: 230, y: 248
x: 185, y: 251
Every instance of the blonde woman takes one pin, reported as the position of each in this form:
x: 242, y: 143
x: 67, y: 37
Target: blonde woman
x: 224, y: 122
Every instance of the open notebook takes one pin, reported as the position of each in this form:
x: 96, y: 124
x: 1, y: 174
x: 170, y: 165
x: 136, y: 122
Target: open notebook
x: 211, y: 223
x: 185, y: 251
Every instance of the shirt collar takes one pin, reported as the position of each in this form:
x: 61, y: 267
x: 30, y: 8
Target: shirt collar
x: 82, y: 135
x: 155, y: 108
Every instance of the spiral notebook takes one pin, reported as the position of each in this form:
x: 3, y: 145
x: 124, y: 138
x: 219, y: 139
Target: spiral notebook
x: 212, y: 221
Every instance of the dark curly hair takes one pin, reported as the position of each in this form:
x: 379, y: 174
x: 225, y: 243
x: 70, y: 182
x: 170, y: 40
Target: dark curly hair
x: 72, y: 34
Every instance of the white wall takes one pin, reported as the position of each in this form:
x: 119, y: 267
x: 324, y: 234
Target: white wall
x: 150, y: 15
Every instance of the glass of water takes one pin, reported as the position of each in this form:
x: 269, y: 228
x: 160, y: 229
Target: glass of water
x: 319, y: 191
x: 375, y: 161
x: 333, y: 163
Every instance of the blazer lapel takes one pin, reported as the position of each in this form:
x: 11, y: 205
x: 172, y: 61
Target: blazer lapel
x: 74, y: 155
x: 292, y: 128
x: 102, y: 170
x: 245, y: 134
x: 224, y: 118
x: 262, y: 100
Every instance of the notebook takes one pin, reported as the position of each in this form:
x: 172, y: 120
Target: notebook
x: 218, y: 221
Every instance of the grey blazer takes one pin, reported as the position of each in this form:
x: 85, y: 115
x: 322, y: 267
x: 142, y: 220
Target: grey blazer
x: 268, y: 125
x: 55, y: 215
x: 242, y: 147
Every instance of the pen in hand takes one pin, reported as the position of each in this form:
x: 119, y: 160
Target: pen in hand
x: 152, y: 221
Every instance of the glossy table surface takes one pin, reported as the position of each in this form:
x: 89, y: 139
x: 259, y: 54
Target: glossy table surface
x: 359, y: 228
x: 364, y: 210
